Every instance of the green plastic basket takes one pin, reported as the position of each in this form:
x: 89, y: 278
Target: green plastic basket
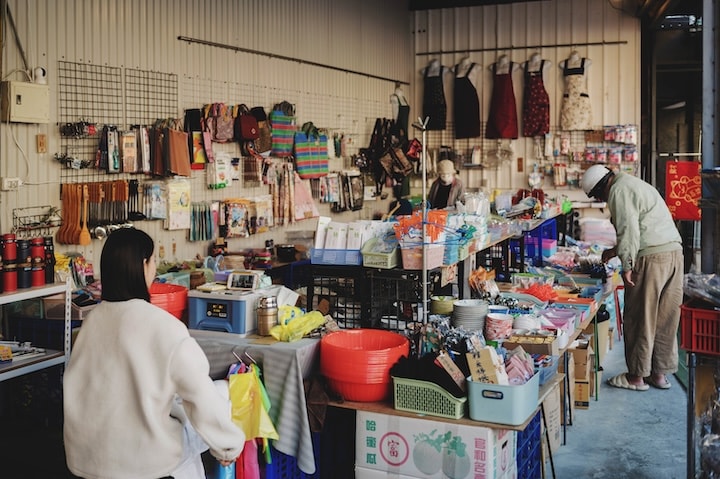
x: 424, y: 397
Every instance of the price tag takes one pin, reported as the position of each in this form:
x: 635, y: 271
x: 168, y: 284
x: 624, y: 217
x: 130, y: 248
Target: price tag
x: 446, y: 362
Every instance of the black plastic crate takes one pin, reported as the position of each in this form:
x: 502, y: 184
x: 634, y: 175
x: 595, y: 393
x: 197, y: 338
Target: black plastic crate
x: 293, y: 275
x: 505, y: 258
x: 346, y: 290
x: 396, y: 296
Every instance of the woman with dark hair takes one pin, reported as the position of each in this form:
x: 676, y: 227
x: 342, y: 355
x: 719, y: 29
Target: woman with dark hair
x: 137, y: 393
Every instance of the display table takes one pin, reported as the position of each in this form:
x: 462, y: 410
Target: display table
x: 284, y: 366
x: 386, y: 407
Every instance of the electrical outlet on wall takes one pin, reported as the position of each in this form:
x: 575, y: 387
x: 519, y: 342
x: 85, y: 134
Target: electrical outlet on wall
x: 9, y: 184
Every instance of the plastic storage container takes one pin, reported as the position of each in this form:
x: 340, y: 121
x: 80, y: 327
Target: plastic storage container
x: 224, y: 311
x: 424, y: 397
x: 412, y: 258
x: 700, y: 328
x: 503, y: 404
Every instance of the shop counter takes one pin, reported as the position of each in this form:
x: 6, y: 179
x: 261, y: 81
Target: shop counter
x: 284, y: 366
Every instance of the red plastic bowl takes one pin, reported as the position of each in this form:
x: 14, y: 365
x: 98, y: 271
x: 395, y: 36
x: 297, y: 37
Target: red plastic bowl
x: 362, y: 356
x: 360, y: 392
x: 170, y: 297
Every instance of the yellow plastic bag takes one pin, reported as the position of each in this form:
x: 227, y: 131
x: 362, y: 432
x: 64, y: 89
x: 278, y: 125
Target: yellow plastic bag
x: 250, y: 405
x: 297, y: 327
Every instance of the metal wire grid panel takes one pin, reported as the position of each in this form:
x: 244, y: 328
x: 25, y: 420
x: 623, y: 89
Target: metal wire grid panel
x: 150, y: 96
x: 90, y: 94
x: 100, y: 95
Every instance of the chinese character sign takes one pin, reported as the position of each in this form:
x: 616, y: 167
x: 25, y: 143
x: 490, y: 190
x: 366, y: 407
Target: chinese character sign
x: 683, y: 189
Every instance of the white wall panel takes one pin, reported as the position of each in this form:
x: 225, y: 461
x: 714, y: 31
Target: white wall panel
x: 370, y: 37
x: 375, y: 37
x: 610, y: 38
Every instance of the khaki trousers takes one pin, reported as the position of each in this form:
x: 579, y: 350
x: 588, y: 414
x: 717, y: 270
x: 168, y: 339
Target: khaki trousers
x: 652, y: 313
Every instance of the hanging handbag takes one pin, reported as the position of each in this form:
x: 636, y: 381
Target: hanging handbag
x: 246, y: 125
x: 220, y: 122
x: 283, y: 130
x: 311, y: 160
x: 395, y: 163
x: 264, y: 140
x: 414, y: 149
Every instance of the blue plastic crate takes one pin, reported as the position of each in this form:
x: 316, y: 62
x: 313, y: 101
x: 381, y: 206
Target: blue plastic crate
x: 528, y: 456
x: 548, y: 371
x: 531, y: 470
x: 285, y: 467
x: 336, y: 256
x: 531, y: 433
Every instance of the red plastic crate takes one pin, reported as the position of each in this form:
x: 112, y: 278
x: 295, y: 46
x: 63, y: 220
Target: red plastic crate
x: 700, y: 327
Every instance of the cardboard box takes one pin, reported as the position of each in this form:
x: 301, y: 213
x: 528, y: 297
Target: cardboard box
x: 54, y: 307
x: 417, y: 447
x: 531, y: 344
x: 584, y: 360
x: 553, y: 412
x: 365, y: 473
x: 582, y: 394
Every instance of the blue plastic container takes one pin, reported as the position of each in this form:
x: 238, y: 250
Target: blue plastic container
x: 229, y: 312
x: 503, y: 404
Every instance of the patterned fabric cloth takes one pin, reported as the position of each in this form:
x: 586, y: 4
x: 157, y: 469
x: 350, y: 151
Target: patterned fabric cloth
x: 434, y: 105
x: 284, y: 367
x: 536, y: 104
x: 466, y: 106
x: 576, y: 113
x: 502, y: 121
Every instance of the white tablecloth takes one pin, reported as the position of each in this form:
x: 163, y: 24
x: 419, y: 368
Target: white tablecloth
x: 284, y: 366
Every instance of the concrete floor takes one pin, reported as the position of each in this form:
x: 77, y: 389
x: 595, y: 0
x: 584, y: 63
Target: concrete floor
x: 627, y: 434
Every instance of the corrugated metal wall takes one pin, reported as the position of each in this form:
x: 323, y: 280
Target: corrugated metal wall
x: 369, y: 37
x: 597, y: 30
x: 375, y: 37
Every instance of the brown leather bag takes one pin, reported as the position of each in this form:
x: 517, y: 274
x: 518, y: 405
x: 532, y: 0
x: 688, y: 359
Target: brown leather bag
x: 395, y: 163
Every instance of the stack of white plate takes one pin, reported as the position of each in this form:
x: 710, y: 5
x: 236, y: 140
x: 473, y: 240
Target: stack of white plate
x: 470, y: 314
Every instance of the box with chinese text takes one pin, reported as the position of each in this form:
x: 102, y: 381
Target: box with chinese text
x: 421, y: 447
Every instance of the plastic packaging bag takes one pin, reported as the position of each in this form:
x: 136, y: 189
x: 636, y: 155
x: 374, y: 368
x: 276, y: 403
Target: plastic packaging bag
x: 250, y: 405
x: 297, y: 327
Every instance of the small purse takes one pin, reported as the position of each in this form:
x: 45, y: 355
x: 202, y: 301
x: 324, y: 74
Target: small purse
x: 246, y: 125
x: 414, y: 149
x: 264, y: 140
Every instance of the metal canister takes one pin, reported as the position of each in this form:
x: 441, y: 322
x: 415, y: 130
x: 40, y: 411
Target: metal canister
x: 49, y: 260
x: 37, y: 253
x: 9, y: 249
x: 24, y: 264
x: 267, y: 314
